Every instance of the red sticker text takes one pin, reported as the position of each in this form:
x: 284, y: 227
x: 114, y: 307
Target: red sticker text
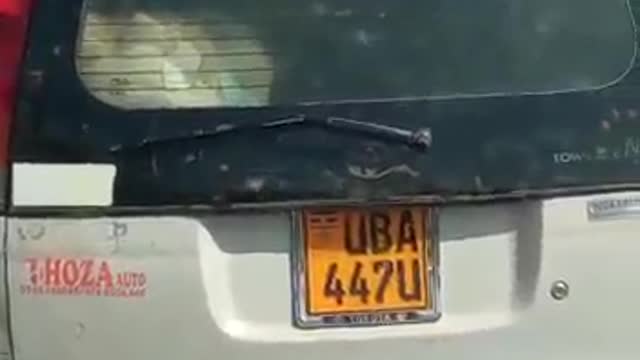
x: 90, y: 277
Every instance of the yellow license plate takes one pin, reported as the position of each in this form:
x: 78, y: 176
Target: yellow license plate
x: 365, y: 266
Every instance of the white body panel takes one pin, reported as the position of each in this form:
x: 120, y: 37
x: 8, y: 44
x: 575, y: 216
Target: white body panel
x: 5, y: 343
x: 64, y: 185
x: 220, y: 287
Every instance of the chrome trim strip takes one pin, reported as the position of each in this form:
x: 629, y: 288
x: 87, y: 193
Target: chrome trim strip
x: 613, y: 208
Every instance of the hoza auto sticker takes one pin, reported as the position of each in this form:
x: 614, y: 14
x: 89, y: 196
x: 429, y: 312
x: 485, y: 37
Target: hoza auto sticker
x: 80, y: 277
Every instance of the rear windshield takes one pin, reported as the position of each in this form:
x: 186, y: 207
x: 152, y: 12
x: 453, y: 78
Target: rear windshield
x: 520, y: 97
x: 236, y: 53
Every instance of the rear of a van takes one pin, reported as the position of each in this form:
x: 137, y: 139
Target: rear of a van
x: 195, y: 179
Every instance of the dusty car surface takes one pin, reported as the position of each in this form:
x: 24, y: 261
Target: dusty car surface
x: 319, y: 179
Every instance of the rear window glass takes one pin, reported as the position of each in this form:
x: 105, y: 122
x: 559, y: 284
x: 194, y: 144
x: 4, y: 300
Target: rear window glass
x: 239, y: 53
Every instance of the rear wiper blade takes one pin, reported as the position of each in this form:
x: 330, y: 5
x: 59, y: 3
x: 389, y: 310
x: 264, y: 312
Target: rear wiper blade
x: 420, y: 139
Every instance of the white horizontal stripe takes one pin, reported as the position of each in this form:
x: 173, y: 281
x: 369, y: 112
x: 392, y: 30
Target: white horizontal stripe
x: 62, y: 184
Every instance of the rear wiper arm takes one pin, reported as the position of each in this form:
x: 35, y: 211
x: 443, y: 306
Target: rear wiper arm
x: 420, y: 139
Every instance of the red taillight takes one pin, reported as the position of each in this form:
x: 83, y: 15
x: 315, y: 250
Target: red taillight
x: 14, y: 16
